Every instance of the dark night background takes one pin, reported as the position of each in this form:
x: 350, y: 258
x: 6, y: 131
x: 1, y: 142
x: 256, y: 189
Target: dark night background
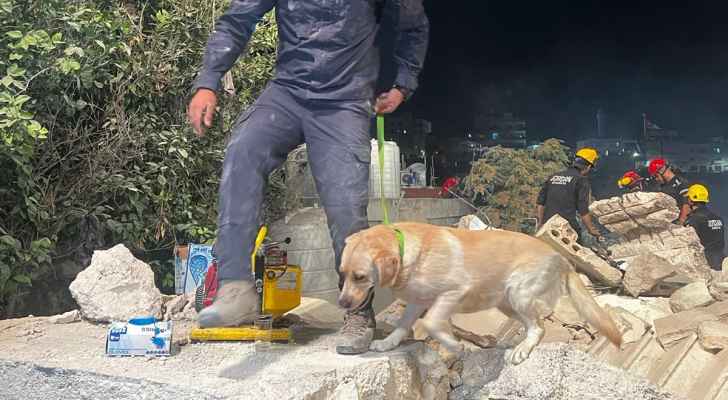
x: 555, y: 63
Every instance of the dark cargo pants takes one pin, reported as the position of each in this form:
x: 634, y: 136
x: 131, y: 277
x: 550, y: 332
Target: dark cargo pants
x: 337, y: 139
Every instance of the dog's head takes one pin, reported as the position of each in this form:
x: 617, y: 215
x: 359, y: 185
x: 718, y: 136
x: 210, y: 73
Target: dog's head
x: 370, y: 259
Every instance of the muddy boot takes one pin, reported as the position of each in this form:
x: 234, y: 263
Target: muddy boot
x: 236, y: 302
x: 357, y: 333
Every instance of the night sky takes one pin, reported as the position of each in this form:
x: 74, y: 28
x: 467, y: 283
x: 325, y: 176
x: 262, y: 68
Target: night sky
x: 555, y: 63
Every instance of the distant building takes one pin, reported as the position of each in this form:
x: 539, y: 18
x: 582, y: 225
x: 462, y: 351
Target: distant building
x: 707, y: 157
x: 499, y: 129
x: 409, y: 132
x: 616, y: 155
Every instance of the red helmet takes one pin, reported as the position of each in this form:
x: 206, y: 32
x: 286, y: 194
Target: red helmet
x: 632, y: 175
x: 656, y: 165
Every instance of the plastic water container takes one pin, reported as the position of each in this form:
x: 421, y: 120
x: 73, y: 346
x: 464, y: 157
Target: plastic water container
x: 391, y: 171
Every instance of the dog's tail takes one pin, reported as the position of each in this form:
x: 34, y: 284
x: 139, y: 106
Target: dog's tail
x: 590, y: 310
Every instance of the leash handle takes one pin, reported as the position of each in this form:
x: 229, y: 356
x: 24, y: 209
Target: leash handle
x: 380, y: 143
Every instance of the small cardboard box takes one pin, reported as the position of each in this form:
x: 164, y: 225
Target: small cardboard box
x: 140, y: 337
x: 199, y: 260
x: 180, y: 267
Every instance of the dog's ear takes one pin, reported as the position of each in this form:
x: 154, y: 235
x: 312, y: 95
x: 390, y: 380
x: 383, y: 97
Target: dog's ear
x: 388, y: 266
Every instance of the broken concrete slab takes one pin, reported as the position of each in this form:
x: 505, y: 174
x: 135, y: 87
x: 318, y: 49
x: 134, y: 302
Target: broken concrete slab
x: 672, y: 329
x: 630, y: 325
x: 554, y: 370
x: 713, y: 383
x: 173, y: 307
x: 644, y: 273
x: 561, y: 237
x: 65, y: 318
x: 719, y: 290
x: 679, y: 245
x: 691, y: 296
x: 647, y: 309
x: 116, y: 287
x: 681, y: 365
x: 713, y: 335
x: 636, y: 213
x: 719, y: 309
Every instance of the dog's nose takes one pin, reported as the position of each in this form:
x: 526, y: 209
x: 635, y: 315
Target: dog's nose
x: 344, y: 302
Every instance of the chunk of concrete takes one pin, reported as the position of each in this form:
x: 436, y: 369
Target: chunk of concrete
x: 65, y: 318
x: 630, y: 325
x: 672, y: 329
x: 636, y: 213
x: 724, y: 267
x: 679, y: 245
x: 693, y: 295
x: 645, y: 272
x: 647, y: 309
x: 561, y: 237
x: 713, y: 335
x: 719, y: 309
x: 719, y: 290
x: 116, y: 287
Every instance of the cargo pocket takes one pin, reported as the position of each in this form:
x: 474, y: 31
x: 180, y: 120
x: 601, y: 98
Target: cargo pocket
x: 362, y: 165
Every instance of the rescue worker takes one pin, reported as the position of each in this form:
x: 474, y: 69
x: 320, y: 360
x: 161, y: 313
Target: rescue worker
x: 631, y: 181
x: 707, y: 224
x: 322, y: 94
x: 672, y: 184
x: 568, y: 192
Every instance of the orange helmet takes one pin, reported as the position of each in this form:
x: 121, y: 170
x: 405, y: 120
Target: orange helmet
x: 656, y: 165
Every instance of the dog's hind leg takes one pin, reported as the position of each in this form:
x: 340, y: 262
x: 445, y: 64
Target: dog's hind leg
x: 437, y: 320
x: 411, y: 313
x: 532, y: 295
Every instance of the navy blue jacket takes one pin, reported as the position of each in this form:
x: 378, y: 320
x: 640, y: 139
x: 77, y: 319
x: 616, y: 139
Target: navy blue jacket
x: 325, y: 47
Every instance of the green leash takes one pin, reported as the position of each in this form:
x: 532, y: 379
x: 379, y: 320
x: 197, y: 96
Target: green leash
x: 385, y: 214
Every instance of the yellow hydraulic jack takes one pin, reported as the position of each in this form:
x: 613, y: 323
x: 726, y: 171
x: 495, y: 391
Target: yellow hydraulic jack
x: 279, y: 291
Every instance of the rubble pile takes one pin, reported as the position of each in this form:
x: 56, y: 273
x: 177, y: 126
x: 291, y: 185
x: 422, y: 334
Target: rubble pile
x: 644, y: 223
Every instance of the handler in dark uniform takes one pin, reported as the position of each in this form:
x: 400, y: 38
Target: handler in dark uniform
x: 707, y: 224
x: 567, y: 193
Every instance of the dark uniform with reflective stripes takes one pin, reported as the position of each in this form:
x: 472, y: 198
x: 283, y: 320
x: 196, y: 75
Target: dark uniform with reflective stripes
x: 710, y: 229
x: 677, y: 188
x: 565, y: 193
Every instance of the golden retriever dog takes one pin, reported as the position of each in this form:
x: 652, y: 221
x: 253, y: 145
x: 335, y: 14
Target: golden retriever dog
x: 447, y: 271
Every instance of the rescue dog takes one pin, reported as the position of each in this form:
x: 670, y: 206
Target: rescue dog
x: 447, y: 271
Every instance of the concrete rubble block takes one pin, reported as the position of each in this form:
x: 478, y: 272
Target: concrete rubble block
x: 65, y: 318
x: 558, y: 234
x: 645, y: 272
x: 680, y: 246
x: 647, y: 309
x: 724, y: 267
x: 713, y: 335
x: 631, y: 326
x: 181, y: 307
x: 116, y: 286
x: 672, y: 329
x: 719, y: 309
x: 681, y: 366
x: 691, y: 296
x: 719, y: 290
x: 473, y: 223
x: 553, y: 371
x: 713, y: 382
x: 635, y: 213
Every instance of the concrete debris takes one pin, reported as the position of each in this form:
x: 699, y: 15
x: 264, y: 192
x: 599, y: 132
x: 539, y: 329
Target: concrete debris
x: 176, y: 308
x: 65, y: 318
x: 719, y: 290
x: 647, y: 309
x: 116, y: 286
x: 561, y: 236
x: 644, y: 222
x: 672, y: 329
x: 634, y: 214
x: 724, y: 267
x: 631, y: 326
x: 719, y: 309
x: 713, y: 335
x: 693, y: 295
x: 645, y: 272
x: 553, y: 371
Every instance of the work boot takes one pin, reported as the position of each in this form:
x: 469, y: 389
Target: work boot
x: 357, y: 333
x: 236, y: 302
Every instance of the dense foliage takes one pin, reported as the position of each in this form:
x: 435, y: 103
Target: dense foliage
x: 94, y: 144
x: 506, y: 182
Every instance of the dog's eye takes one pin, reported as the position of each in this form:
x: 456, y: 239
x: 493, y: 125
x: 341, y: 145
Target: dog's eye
x: 358, y: 277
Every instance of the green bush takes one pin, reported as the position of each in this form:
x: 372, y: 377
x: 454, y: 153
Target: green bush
x: 95, y: 148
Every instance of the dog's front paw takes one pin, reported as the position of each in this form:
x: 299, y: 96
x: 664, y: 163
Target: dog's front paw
x: 382, y: 345
x: 519, y: 354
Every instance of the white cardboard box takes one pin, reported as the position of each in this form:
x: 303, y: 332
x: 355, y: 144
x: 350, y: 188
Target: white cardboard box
x: 139, y: 337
